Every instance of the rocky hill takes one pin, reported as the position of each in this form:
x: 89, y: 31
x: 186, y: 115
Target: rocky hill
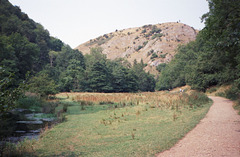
x: 154, y: 44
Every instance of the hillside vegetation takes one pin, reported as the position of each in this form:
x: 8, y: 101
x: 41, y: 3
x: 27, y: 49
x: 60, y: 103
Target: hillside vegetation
x: 213, y: 58
x: 154, y: 44
x: 24, y: 44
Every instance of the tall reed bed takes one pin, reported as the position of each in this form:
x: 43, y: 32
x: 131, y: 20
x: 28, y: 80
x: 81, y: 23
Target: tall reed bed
x: 161, y: 99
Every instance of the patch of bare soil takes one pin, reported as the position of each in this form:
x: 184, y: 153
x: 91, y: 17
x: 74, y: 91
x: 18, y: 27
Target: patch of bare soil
x: 217, y: 135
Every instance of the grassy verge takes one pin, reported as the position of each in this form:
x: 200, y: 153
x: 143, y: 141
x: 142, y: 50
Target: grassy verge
x: 140, y: 124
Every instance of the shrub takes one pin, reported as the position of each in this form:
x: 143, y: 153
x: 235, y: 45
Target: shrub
x: 8, y: 93
x: 163, y: 55
x: 105, y: 36
x: 232, y: 93
x: 147, y: 35
x: 85, y: 103
x: 221, y: 94
x: 147, y: 26
x: 159, y: 35
x: 150, y: 52
x: 31, y: 103
x: 155, y: 30
x: 49, y: 107
x: 43, y: 85
x: 161, y: 67
x: 144, y: 31
x: 211, y: 90
x: 106, y: 102
x: 154, y: 55
x: 145, y: 43
x: 139, y: 47
x: 197, y: 99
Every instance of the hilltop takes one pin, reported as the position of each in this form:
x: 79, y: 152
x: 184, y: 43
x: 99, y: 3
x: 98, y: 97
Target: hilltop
x: 154, y: 44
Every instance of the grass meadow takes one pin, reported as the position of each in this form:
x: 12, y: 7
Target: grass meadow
x: 120, y: 124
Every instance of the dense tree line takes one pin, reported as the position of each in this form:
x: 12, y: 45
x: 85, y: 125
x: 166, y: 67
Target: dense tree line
x: 95, y: 73
x: 214, y: 58
x: 24, y: 44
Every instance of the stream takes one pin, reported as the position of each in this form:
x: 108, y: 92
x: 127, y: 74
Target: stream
x: 27, y: 125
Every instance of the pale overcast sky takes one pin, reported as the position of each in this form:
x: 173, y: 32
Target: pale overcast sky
x: 77, y: 21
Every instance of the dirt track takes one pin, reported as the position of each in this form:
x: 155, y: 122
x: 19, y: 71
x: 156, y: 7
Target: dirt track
x: 217, y: 135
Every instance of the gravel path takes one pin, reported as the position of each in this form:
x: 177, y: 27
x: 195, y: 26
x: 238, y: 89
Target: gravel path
x: 217, y: 135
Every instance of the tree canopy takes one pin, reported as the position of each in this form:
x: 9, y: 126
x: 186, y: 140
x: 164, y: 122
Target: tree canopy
x: 54, y: 66
x: 213, y: 58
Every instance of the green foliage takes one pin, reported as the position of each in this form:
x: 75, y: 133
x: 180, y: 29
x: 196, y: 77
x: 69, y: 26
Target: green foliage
x: 155, y: 32
x: 99, y: 78
x: 150, y: 52
x: 144, y: 31
x: 197, y: 99
x: 161, y: 67
x: 123, y: 80
x: 92, y: 73
x: 30, y: 102
x: 103, y: 75
x: 17, y: 54
x: 145, y: 43
x: 8, y: 93
x: 42, y: 85
x: 55, y: 44
x: 154, y: 55
x: 159, y: 35
x: 67, y: 69
x: 24, y: 44
x: 234, y: 92
x: 139, y: 47
x: 163, y: 55
x: 72, y: 76
x: 145, y: 81
x: 211, y: 90
x: 213, y: 58
x: 173, y: 74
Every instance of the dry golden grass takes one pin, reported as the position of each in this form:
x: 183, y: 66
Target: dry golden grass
x: 214, y: 91
x: 163, y: 99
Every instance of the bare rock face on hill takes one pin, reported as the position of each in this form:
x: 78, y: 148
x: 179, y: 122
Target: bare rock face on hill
x: 154, y: 44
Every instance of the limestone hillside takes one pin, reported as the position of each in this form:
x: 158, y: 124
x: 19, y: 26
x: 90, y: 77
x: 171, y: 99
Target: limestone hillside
x: 154, y: 44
